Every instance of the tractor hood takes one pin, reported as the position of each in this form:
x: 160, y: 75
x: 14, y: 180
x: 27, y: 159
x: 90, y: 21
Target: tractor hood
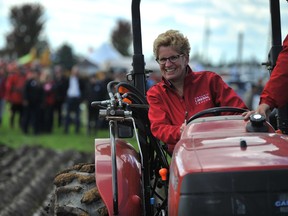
x: 213, y: 145
x: 218, y: 166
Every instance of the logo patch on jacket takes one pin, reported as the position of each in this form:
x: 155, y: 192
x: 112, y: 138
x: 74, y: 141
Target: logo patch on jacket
x: 202, y: 99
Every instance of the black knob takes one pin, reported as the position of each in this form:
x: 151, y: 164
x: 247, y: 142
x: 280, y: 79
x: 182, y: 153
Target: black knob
x: 256, y: 123
x: 257, y: 120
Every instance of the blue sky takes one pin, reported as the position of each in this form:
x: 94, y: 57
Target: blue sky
x: 88, y: 24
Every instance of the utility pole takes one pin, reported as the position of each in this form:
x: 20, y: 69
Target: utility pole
x: 240, y: 48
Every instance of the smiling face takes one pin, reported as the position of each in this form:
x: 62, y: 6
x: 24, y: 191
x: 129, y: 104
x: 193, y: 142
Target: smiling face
x: 172, y: 71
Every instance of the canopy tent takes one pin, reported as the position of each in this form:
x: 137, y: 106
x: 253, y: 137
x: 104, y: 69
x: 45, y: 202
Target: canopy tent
x: 87, y: 67
x: 104, y: 55
x: 107, y: 57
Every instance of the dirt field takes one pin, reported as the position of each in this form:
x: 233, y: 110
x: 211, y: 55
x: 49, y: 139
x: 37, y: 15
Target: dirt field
x: 26, y: 177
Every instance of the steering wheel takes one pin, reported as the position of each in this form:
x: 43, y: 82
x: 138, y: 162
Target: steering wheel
x: 215, y: 111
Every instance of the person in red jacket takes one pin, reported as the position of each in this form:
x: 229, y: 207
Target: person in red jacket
x: 14, y: 92
x: 182, y: 92
x: 274, y: 94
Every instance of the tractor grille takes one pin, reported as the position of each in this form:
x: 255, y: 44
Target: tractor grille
x: 235, y: 193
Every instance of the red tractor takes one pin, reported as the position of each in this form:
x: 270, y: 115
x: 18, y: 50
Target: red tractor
x: 222, y: 165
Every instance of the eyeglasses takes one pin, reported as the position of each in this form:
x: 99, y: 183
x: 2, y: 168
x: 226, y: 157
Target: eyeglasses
x: 172, y: 59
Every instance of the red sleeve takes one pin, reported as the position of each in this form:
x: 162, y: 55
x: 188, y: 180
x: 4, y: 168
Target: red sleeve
x: 161, y: 127
x: 275, y: 90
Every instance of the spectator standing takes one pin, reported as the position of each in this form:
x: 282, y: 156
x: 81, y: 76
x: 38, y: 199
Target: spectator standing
x: 14, y: 92
x: 60, y: 86
x: 252, y: 96
x: 3, y: 78
x: 75, y: 94
x: 49, y: 102
x: 96, y: 91
x: 33, y: 102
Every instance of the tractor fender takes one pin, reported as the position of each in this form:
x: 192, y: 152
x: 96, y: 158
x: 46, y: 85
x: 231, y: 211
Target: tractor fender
x: 128, y: 176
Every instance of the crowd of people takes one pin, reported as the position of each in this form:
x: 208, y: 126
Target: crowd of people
x: 36, y: 96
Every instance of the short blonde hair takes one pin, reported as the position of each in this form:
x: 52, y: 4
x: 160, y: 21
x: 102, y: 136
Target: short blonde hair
x: 174, y: 39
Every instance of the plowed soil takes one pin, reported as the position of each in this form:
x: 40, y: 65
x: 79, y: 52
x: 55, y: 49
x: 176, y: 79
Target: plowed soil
x: 26, y: 177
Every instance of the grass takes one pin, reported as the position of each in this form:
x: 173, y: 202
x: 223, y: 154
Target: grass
x: 14, y: 137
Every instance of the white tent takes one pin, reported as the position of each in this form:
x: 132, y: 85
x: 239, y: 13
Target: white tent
x: 104, y: 55
x: 87, y: 67
x: 128, y: 61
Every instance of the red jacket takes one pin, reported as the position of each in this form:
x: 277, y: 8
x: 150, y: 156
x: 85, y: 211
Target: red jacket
x: 275, y: 92
x: 14, y: 88
x: 167, y: 109
x: 2, y: 87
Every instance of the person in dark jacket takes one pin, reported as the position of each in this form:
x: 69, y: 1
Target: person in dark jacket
x: 96, y: 91
x: 48, y: 101
x: 33, y: 102
x: 182, y: 92
x: 74, y: 97
x: 60, y: 87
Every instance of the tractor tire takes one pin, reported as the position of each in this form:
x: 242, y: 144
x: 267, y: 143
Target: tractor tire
x: 76, y: 192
